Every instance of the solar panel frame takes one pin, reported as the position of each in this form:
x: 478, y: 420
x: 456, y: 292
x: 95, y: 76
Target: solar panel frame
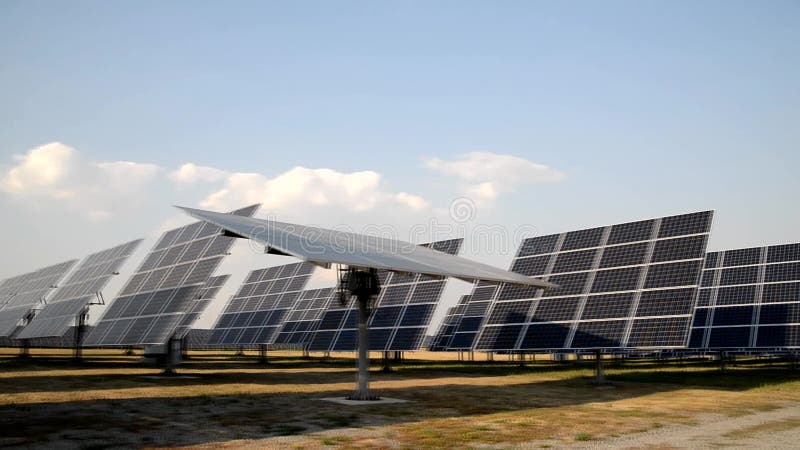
x: 749, y: 300
x: 635, y: 258
x: 162, y: 291
x: 81, y: 287
x: 444, y: 335
x: 255, y: 315
x: 21, y: 294
x: 400, y: 316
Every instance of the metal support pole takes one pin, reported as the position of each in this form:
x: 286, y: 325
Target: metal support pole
x: 722, y: 361
x: 79, y: 330
x: 169, y: 361
x: 387, y: 366
x: 599, y: 370
x: 363, y: 392
x: 25, y: 349
x: 262, y: 354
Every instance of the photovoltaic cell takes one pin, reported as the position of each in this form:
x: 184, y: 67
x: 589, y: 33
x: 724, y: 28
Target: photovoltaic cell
x: 468, y: 325
x: 153, y: 304
x: 256, y: 313
x: 78, y: 290
x: 629, y: 285
x: 19, y: 295
x: 204, y: 298
x: 400, y: 317
x: 750, y: 299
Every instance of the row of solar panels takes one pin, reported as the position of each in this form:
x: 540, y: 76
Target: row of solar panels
x: 646, y: 284
x: 160, y: 301
x: 640, y: 285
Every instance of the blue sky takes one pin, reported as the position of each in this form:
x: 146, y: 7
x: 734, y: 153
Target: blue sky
x: 642, y: 109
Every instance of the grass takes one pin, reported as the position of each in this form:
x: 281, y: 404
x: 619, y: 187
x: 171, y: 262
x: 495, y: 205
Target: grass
x: 232, y: 401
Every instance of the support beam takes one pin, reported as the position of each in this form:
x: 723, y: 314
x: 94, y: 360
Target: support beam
x: 170, y: 359
x: 80, y: 328
x: 262, y: 354
x: 25, y: 349
x: 387, y: 364
x: 362, y: 392
x: 722, y: 357
x: 599, y: 370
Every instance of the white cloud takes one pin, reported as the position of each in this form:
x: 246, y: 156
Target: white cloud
x: 55, y: 172
x: 485, y: 175
x: 414, y: 202
x: 42, y: 171
x: 190, y: 173
x: 128, y: 176
x: 302, y: 187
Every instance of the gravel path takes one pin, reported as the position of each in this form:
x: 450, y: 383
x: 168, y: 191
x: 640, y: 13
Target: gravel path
x: 779, y: 428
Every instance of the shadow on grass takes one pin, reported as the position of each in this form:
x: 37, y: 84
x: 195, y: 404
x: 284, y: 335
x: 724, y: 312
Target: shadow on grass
x: 205, y: 416
x: 210, y: 418
x: 210, y: 370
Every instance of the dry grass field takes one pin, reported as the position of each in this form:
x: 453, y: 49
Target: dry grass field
x: 221, y: 400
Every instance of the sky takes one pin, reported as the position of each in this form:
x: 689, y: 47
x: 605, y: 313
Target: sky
x: 534, y: 117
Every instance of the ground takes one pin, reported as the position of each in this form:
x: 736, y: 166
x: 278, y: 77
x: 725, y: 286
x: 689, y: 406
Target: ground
x: 228, y: 401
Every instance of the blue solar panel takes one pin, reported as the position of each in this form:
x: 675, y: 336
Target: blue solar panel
x: 256, y: 313
x: 749, y: 299
x: 400, y: 318
x: 630, y: 285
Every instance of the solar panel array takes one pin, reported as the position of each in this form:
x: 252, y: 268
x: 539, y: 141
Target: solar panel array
x: 749, y: 299
x: 77, y: 291
x: 400, y: 318
x: 442, y: 338
x: 630, y: 285
x: 303, y: 320
x: 20, y: 294
x: 256, y: 313
x: 153, y: 303
x: 469, y: 325
x: 196, y: 308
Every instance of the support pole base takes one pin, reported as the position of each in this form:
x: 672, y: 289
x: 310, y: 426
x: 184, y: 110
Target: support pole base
x: 362, y: 396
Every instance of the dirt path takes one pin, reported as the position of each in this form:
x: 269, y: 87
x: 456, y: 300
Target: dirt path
x: 779, y: 428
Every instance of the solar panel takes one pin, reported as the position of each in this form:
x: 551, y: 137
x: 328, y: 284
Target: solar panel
x: 77, y: 291
x: 467, y: 326
x: 301, y: 323
x: 256, y: 313
x: 629, y: 285
x: 19, y: 295
x: 195, y: 308
x: 152, y: 304
x: 441, y: 340
x: 749, y: 299
x: 399, y: 319
x: 358, y: 251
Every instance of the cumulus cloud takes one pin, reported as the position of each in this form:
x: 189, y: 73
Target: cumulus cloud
x: 302, y: 187
x: 55, y: 171
x: 190, y: 173
x: 485, y: 175
x: 42, y: 171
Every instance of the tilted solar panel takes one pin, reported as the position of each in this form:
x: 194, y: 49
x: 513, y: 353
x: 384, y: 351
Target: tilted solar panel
x: 77, y: 291
x: 630, y: 285
x: 195, y: 308
x: 256, y: 313
x: 152, y: 305
x: 303, y: 320
x: 19, y: 295
x: 401, y: 315
x: 441, y: 340
x: 468, y: 325
x: 749, y: 299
